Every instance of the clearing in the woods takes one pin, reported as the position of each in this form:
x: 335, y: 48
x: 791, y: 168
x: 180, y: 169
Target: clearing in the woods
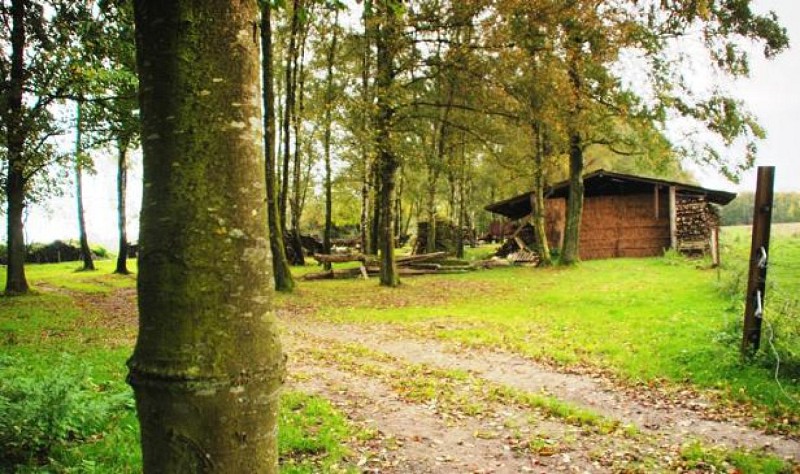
x: 626, y: 365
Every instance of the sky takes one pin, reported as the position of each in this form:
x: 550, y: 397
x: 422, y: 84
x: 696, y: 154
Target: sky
x: 771, y: 93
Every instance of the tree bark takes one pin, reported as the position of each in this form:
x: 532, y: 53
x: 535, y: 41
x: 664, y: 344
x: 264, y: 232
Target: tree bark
x: 296, y: 201
x: 208, y: 364
x: 387, y: 160
x: 326, y: 237
x: 572, y: 228
x: 288, y: 106
x: 122, y: 189
x: 366, y: 58
x: 86, y: 252
x: 537, y: 199
x: 16, y: 282
x: 282, y: 273
x: 570, y: 249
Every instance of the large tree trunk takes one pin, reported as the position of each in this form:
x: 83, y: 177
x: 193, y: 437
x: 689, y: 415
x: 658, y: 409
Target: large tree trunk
x: 208, y: 365
x: 86, y: 252
x: 282, y: 273
x: 537, y: 199
x: 386, y: 158
x: 326, y: 237
x: 122, y: 189
x: 572, y: 229
x: 16, y: 283
x: 570, y: 249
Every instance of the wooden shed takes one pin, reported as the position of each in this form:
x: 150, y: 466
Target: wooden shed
x: 629, y: 216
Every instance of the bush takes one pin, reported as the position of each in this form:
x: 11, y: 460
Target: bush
x: 40, y: 413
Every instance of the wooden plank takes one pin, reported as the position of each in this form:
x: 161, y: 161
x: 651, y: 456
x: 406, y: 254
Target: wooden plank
x: 673, y: 219
x: 655, y: 200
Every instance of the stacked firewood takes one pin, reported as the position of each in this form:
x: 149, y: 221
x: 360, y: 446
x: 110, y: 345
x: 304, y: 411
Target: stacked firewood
x: 695, y: 219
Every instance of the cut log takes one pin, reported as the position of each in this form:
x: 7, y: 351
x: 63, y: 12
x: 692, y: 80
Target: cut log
x: 419, y: 258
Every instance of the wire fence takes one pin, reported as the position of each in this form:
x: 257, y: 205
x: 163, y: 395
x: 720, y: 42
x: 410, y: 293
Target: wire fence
x: 780, y: 311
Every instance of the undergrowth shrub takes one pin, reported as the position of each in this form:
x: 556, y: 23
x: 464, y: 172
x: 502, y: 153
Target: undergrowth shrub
x: 41, y: 412
x: 780, y: 329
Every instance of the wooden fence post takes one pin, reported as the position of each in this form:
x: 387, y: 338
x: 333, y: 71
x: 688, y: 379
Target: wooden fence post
x: 759, y: 255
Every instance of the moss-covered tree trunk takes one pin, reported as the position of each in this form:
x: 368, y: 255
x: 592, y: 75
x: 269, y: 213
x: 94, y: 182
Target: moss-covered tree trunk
x: 537, y: 199
x: 207, y: 364
x: 387, y: 160
x: 16, y: 282
x: 281, y: 271
x: 122, y: 189
x: 572, y: 228
x: 86, y: 252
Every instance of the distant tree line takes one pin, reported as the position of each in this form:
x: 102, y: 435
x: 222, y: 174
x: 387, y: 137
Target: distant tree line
x: 786, y: 208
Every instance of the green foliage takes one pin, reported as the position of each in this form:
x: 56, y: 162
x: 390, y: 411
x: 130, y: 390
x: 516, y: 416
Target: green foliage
x: 786, y: 208
x: 46, y: 409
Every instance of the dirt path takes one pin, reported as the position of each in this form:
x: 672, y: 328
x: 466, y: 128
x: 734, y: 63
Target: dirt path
x: 665, y: 424
x: 434, y: 434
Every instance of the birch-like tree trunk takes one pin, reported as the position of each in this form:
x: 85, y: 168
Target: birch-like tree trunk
x: 86, y: 251
x: 326, y: 238
x: 282, y: 273
x: 122, y: 189
x: 207, y: 364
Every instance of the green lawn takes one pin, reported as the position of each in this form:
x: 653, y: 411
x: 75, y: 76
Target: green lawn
x: 661, y: 321
x: 643, y: 320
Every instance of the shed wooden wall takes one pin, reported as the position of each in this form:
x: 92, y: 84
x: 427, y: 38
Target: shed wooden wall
x: 616, y: 226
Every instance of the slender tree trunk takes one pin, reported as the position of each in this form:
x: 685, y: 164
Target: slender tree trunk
x: 13, y: 112
x: 208, y: 365
x: 398, y: 206
x: 388, y: 162
x: 122, y: 189
x: 86, y: 252
x: 297, y: 116
x: 366, y: 103
x: 462, y: 197
x: 326, y: 237
x: 375, y: 231
x: 364, y: 218
x: 288, y: 106
x: 537, y: 199
x: 282, y: 273
x: 433, y: 176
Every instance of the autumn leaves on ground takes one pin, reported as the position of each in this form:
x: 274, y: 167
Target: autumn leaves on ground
x: 613, y: 366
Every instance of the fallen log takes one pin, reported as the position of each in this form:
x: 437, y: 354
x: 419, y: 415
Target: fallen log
x: 402, y: 261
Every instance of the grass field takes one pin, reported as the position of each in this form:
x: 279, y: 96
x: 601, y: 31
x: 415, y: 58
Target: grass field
x: 665, y: 322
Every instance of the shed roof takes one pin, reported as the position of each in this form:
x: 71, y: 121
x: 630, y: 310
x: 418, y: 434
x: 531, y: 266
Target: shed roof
x: 605, y: 183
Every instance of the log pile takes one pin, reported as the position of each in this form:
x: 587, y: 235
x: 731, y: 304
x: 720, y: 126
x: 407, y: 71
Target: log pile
x: 446, y: 237
x: 425, y: 264
x: 695, y: 218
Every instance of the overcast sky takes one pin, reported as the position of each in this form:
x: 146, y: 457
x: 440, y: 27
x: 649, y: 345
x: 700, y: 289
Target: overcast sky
x: 772, y: 93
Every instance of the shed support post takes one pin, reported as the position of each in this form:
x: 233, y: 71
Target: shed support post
x: 673, y: 220
x: 655, y: 201
x: 715, y: 246
x: 759, y: 254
